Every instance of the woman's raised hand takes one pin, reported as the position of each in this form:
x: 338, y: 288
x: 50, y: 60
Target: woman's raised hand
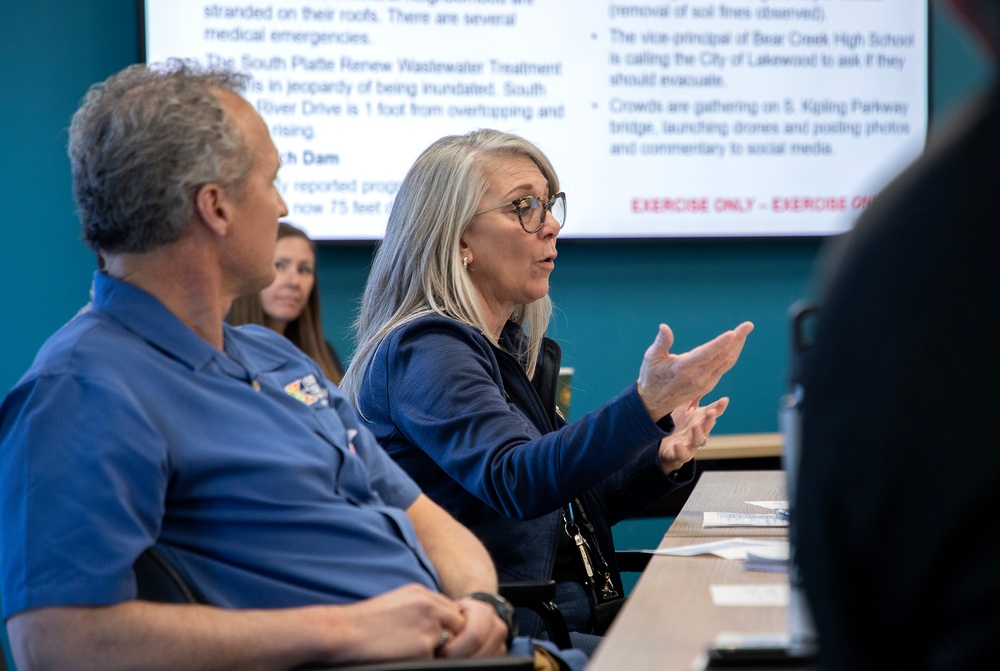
x: 667, y: 380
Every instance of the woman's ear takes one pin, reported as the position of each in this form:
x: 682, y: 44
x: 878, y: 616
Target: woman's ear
x: 464, y: 251
x: 214, y: 208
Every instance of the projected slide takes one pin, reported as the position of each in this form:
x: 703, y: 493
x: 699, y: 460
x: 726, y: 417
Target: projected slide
x: 675, y: 118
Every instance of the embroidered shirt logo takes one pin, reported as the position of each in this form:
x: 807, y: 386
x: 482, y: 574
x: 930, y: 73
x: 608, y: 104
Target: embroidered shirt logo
x: 308, y: 390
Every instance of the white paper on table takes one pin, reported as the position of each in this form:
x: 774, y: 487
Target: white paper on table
x: 776, y: 552
x: 749, y: 595
x: 770, y: 505
x: 714, y: 520
x: 730, y: 548
x: 735, y: 639
x: 772, y: 559
x: 744, y: 640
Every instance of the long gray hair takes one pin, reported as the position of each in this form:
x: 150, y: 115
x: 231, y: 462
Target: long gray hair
x: 418, y: 266
x: 141, y: 145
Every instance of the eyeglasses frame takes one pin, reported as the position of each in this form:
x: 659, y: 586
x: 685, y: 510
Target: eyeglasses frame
x: 535, y: 204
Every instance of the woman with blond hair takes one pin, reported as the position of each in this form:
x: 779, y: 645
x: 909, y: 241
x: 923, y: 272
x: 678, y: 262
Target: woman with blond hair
x: 455, y: 377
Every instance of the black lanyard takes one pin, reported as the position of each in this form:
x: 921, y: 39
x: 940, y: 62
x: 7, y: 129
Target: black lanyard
x: 607, y: 592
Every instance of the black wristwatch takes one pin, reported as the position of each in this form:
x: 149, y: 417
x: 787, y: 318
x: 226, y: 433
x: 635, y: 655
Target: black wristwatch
x: 504, y: 608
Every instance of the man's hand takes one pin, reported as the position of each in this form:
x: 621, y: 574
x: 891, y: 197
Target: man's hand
x: 404, y: 623
x: 667, y: 381
x: 407, y: 623
x: 484, y: 633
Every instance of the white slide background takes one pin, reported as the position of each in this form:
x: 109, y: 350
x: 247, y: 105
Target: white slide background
x: 675, y: 118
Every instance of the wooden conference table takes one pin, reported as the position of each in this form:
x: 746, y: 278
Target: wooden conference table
x: 670, y: 620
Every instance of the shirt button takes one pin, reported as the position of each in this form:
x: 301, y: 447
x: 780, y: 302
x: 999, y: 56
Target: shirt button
x: 256, y: 385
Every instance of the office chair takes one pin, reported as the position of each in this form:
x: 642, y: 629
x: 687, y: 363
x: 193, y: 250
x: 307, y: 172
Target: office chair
x: 159, y: 581
x: 538, y: 596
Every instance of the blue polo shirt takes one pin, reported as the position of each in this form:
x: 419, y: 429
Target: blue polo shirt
x: 245, y: 468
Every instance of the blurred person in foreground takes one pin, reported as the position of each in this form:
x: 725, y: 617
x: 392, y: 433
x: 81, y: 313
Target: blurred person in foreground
x: 454, y: 376
x: 290, y: 305
x: 147, y: 422
x: 899, y: 463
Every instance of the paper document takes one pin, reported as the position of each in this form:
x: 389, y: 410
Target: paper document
x: 749, y: 595
x: 732, y: 639
x: 745, y: 641
x: 770, y: 505
x: 716, y: 520
x: 730, y: 548
x: 772, y: 559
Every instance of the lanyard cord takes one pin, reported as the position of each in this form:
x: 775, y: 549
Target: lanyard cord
x: 593, y: 533
x: 608, y: 592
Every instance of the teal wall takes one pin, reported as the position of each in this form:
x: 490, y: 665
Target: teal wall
x: 609, y: 296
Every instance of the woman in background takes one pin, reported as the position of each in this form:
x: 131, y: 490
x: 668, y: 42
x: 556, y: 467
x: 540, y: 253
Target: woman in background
x: 290, y: 305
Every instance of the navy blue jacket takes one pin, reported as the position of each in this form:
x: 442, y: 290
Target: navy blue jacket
x: 462, y: 418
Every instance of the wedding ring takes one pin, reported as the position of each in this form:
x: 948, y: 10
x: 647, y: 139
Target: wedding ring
x: 701, y: 444
x: 445, y: 635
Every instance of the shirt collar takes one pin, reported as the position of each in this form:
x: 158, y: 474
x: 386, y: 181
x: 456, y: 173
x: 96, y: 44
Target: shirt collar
x: 148, y: 318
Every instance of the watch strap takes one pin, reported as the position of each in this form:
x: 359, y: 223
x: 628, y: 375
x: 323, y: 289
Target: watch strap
x: 503, y: 608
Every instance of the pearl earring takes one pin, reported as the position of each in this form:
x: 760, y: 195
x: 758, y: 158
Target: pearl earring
x: 465, y: 263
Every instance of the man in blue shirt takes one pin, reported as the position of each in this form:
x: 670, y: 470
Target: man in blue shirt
x: 148, y: 422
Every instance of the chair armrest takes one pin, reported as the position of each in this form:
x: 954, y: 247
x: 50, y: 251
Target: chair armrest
x: 528, y: 592
x: 538, y: 597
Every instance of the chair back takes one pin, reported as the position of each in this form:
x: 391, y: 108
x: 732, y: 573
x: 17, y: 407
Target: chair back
x: 158, y: 581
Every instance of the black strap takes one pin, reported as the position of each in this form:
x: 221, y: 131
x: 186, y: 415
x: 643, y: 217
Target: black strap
x: 602, y: 584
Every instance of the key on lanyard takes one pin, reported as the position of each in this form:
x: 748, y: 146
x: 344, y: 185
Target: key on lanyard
x: 580, y: 543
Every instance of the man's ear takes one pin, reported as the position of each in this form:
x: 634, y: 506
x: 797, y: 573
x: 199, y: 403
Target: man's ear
x: 214, y: 208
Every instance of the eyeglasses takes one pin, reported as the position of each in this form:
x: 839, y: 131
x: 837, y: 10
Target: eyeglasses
x: 524, y: 206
